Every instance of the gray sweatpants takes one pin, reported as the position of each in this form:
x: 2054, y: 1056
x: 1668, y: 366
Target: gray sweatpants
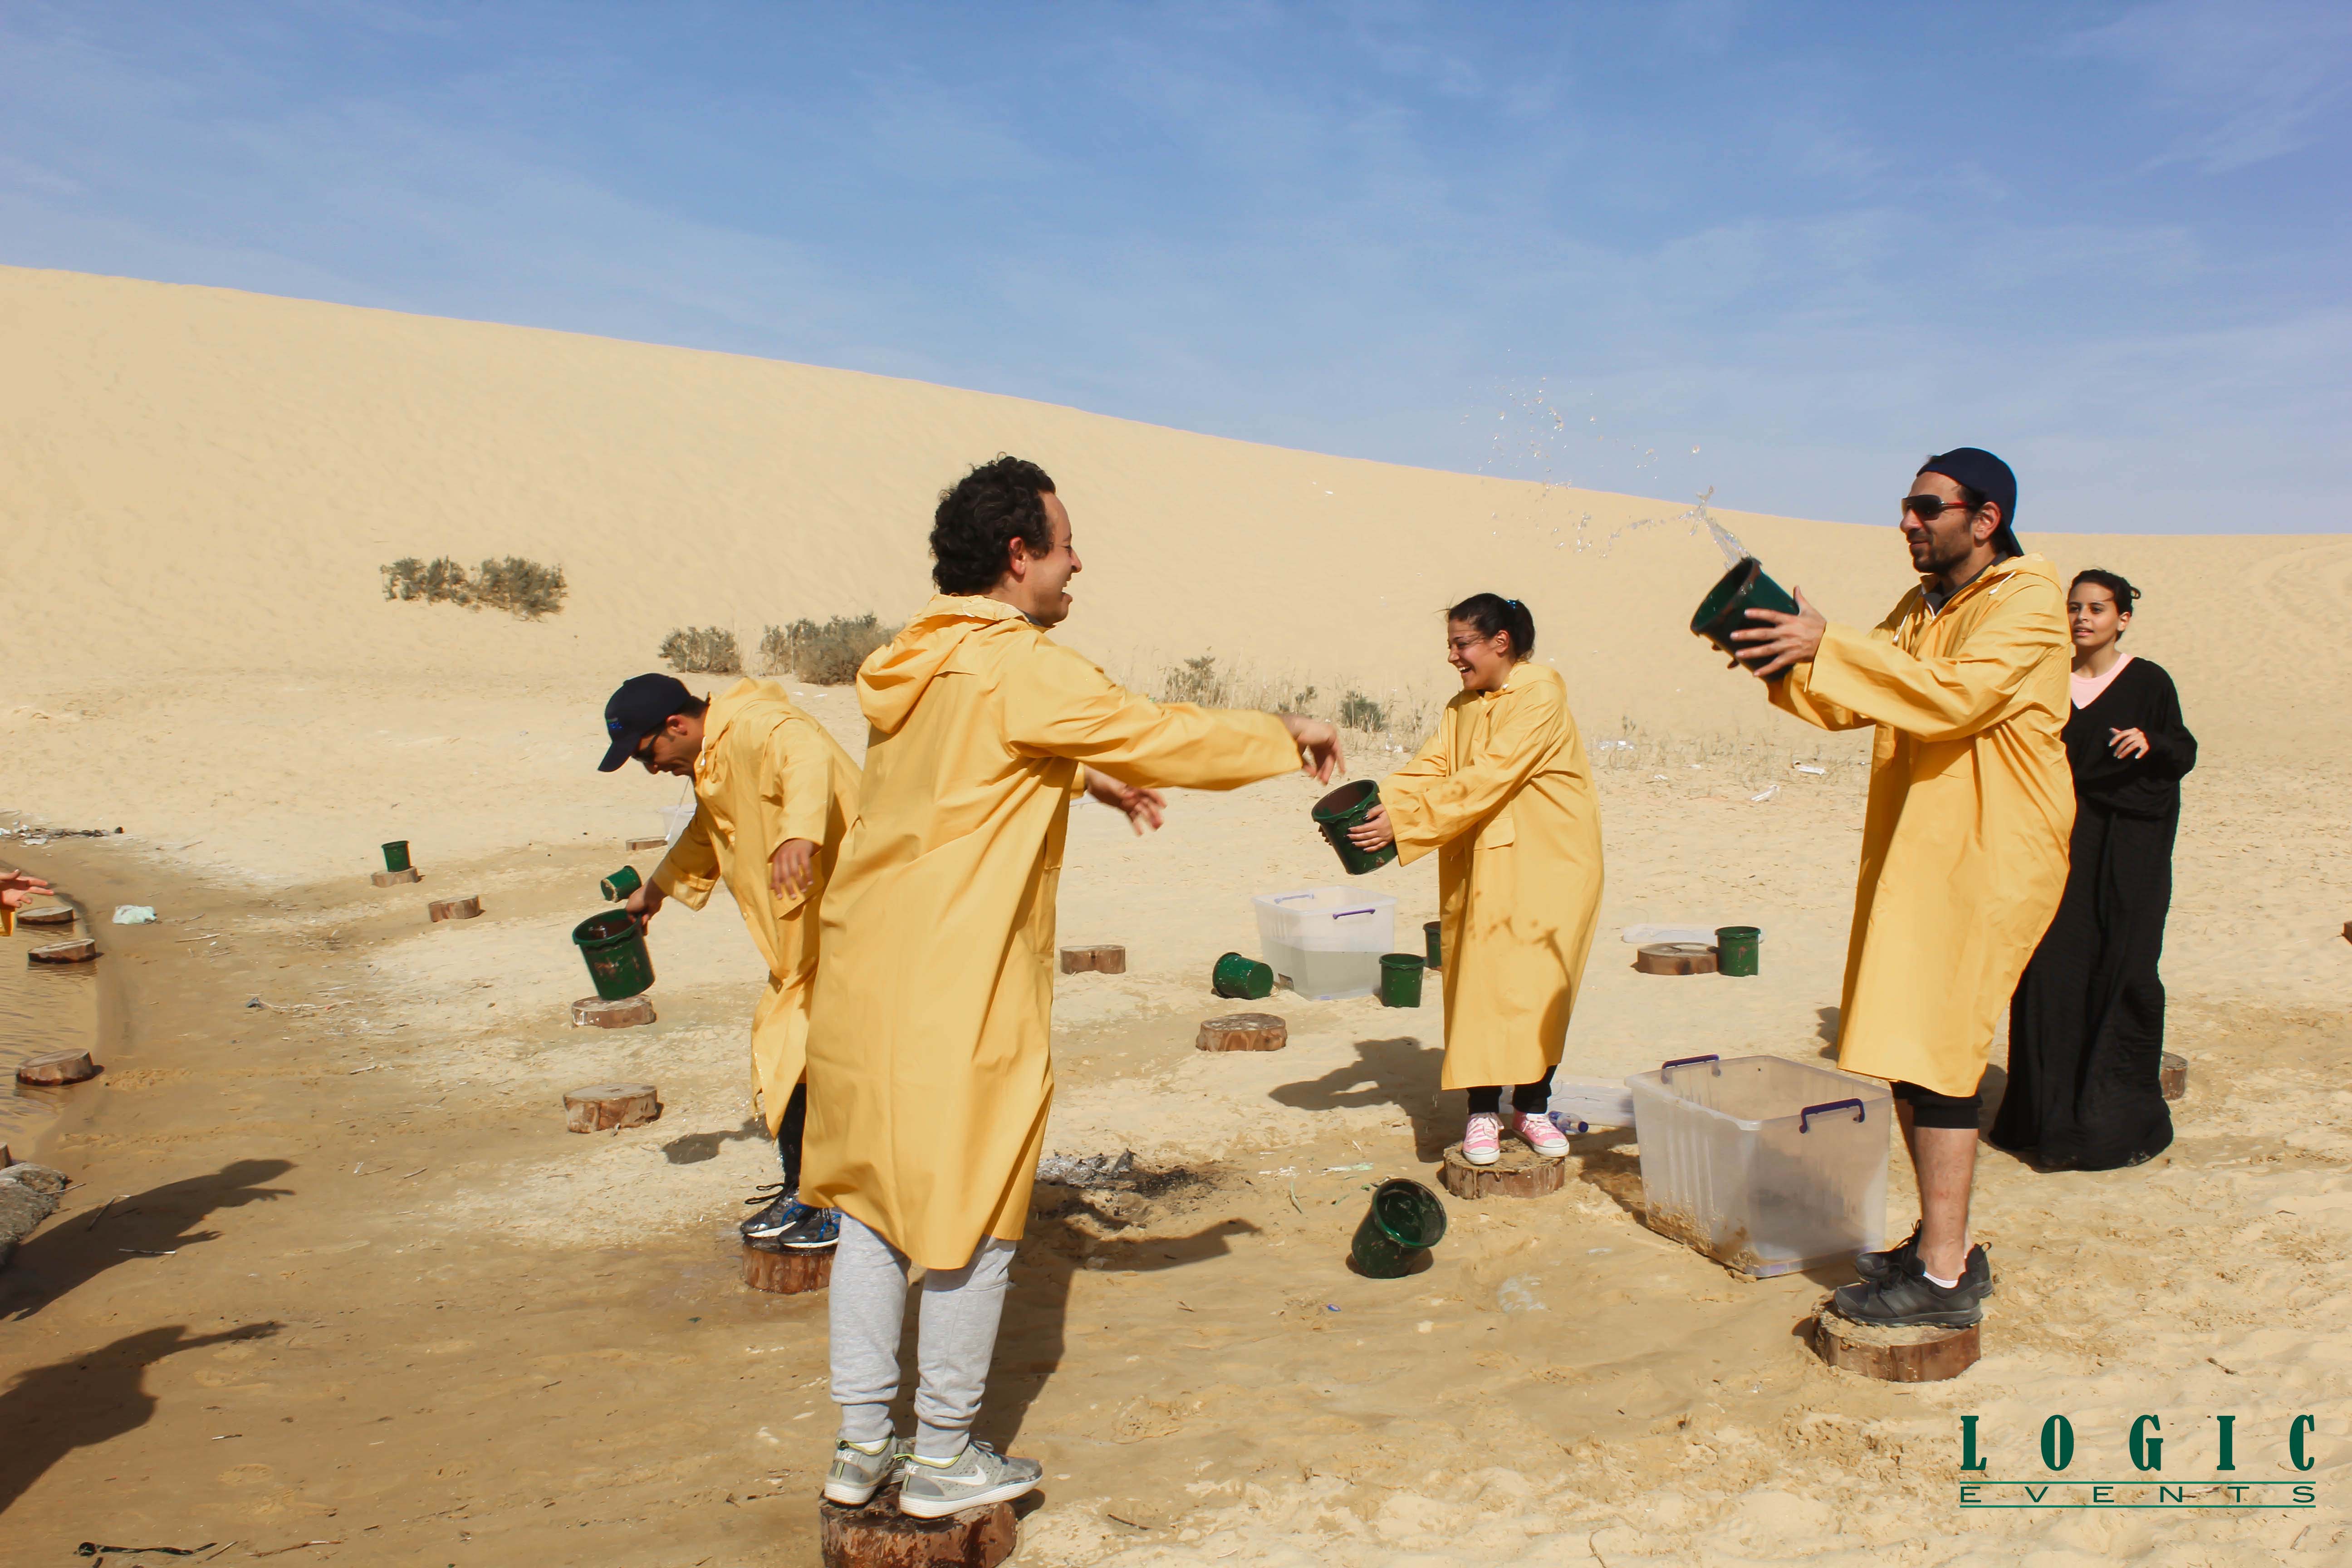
x: 955, y: 1340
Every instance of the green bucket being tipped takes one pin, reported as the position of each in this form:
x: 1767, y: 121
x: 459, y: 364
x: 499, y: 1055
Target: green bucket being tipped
x: 1404, y: 1221
x: 1725, y: 609
x: 1343, y: 808
x: 620, y: 884
x: 614, y: 944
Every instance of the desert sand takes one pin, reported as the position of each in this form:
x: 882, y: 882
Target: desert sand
x: 403, y: 1315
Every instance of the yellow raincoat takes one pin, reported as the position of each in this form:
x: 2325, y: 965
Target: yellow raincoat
x: 768, y: 772
x: 1502, y: 793
x: 930, y: 1069
x: 1971, y: 804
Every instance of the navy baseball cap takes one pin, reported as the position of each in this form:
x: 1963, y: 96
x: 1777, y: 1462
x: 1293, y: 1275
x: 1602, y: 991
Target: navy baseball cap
x: 642, y: 705
x: 1988, y: 477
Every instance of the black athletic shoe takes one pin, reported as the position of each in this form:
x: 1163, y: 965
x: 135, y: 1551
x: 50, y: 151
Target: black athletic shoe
x: 1910, y: 1300
x: 1878, y: 1268
x: 777, y: 1213
x: 812, y: 1231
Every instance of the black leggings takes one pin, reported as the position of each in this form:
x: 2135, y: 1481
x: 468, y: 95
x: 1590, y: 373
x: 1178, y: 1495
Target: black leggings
x: 1929, y: 1109
x: 1530, y: 1097
x: 788, y: 1136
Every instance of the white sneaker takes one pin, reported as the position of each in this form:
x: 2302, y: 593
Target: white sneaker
x: 1481, y: 1140
x: 1539, y: 1133
x: 934, y: 1489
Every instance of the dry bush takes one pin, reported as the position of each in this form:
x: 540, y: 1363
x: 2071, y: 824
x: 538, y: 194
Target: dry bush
x: 1400, y: 718
x: 521, y: 587
x: 702, y: 651
x: 827, y: 655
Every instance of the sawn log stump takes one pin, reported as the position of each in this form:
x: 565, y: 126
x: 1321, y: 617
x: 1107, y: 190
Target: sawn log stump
x: 49, y: 915
x: 602, y: 1107
x: 597, y: 1013
x: 56, y: 1067
x: 1102, y: 958
x: 463, y: 908
x: 1674, y: 958
x: 1521, y: 1173
x: 80, y: 949
x: 879, y: 1536
x: 2172, y: 1076
x: 395, y: 878
x: 1892, y: 1355
x: 656, y: 842
x: 785, y: 1272
x: 1244, y: 1032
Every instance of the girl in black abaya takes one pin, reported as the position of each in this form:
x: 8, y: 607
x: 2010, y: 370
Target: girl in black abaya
x: 2086, y: 1025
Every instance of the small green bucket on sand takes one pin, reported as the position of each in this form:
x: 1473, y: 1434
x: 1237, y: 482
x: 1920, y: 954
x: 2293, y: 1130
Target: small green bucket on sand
x: 1404, y: 1221
x: 1400, y: 975
x: 1432, y: 936
x: 1344, y: 808
x: 395, y: 855
x: 1735, y: 949
x: 620, y: 884
x: 1244, y: 978
x: 614, y: 944
x: 1725, y: 609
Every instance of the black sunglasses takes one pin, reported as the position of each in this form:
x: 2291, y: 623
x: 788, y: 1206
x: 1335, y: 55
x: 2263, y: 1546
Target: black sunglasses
x: 645, y: 749
x: 1927, y: 509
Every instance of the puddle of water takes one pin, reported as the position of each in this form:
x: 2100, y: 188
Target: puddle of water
x: 41, y: 1009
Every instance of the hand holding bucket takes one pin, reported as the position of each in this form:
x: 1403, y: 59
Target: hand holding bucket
x: 1340, y: 815
x: 1786, y: 631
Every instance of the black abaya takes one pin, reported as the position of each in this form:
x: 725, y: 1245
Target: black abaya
x: 2087, y: 1025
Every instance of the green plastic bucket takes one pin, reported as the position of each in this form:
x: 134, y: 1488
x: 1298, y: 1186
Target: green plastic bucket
x: 620, y: 884
x: 1400, y: 975
x: 1725, y: 609
x: 1343, y: 808
x: 1404, y: 1221
x: 1241, y: 977
x: 395, y: 855
x: 1735, y: 949
x: 1432, y: 936
x: 614, y: 944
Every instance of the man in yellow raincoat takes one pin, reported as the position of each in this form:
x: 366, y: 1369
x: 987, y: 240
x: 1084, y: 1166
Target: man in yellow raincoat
x: 1964, y: 843
x: 773, y: 795
x: 929, y: 1072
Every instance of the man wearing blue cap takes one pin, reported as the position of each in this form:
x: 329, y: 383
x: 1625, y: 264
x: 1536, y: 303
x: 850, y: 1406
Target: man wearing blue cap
x: 1964, y: 843
x: 773, y: 793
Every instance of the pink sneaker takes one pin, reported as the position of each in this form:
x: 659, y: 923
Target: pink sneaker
x: 1539, y: 1132
x: 1481, y: 1140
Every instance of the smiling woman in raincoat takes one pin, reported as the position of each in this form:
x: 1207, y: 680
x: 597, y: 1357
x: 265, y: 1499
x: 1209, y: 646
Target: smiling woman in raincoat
x: 929, y: 1072
x: 1502, y: 793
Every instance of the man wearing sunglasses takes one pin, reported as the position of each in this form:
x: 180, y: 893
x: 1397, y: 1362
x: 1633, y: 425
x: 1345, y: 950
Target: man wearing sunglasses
x: 1964, y: 843
x: 773, y: 795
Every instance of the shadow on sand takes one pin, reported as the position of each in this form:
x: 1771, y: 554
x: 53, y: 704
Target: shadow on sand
x: 1401, y: 1073
x: 78, y: 1247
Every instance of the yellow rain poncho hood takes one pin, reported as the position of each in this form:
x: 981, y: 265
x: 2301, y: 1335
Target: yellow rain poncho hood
x: 1971, y: 803
x: 767, y: 773
x: 929, y: 1072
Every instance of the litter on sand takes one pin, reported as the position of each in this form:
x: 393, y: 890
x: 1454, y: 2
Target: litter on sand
x: 134, y: 915
x: 1810, y: 768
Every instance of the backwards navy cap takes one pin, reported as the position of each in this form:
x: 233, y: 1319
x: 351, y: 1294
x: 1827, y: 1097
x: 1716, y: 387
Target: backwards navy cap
x: 1988, y: 477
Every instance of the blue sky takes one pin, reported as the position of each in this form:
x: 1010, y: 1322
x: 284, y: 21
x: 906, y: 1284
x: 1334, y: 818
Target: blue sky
x: 1778, y: 251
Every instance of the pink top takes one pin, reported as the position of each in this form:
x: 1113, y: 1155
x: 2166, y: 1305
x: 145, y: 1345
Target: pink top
x: 2089, y: 687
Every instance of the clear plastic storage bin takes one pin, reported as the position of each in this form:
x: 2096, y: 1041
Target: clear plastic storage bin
x: 1327, y: 941
x: 1764, y: 1164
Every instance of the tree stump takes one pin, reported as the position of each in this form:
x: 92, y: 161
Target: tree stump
x: 1521, y: 1173
x: 786, y: 1272
x: 463, y: 908
x: 49, y: 915
x: 1892, y: 1355
x: 1244, y: 1032
x: 2172, y: 1076
x: 79, y: 950
x: 56, y: 1067
x: 879, y: 1536
x: 1674, y: 958
x: 602, y: 1107
x: 595, y: 1012
x: 395, y: 878
x: 1102, y: 958
x: 656, y: 842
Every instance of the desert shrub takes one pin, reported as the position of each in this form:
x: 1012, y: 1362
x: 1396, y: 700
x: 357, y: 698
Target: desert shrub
x: 517, y: 586
x: 702, y: 651
x: 826, y: 654
x: 1195, y: 680
x: 1358, y: 711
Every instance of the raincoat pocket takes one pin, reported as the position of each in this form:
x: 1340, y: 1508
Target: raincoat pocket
x: 1500, y: 831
